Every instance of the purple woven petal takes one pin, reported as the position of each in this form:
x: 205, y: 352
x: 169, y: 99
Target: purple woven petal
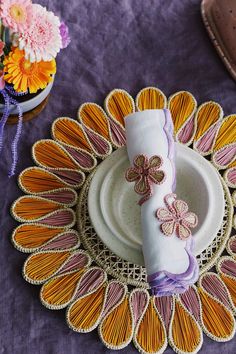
x: 100, y: 145
x: 82, y: 157
x: 191, y: 302
x: 214, y: 286
x: 118, y: 134
x: 139, y: 300
x: 228, y: 266
x: 115, y: 293
x: 76, y: 261
x: 64, y: 241
x: 62, y: 218
x: 91, y: 280
x: 71, y: 177
x: 164, y: 305
x: 61, y: 196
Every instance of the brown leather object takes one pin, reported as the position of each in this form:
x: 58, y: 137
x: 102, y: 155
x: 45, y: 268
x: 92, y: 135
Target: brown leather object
x: 219, y: 17
x: 13, y: 119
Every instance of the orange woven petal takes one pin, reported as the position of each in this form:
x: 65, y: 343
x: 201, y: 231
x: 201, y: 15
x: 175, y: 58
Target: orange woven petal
x: 186, y: 334
x: 94, y: 118
x: 59, y: 291
x: 217, y: 320
x: 85, y: 312
x: 151, y: 335
x: 119, y: 104
x: 33, y: 236
x: 150, y: 98
x: 49, y: 154
x: 116, y: 329
x: 30, y: 208
x: 41, y: 266
x: 37, y: 180
x: 70, y: 132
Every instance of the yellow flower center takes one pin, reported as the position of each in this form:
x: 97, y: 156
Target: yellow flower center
x: 26, y: 66
x: 17, y: 13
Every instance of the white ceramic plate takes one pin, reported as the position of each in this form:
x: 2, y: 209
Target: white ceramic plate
x: 115, y: 214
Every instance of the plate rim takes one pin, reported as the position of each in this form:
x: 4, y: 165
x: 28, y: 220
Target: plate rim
x: 114, y: 243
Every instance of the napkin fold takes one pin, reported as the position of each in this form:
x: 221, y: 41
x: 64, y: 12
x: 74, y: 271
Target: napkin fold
x: 166, y: 221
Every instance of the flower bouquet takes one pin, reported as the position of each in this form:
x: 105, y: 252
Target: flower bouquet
x: 30, y: 39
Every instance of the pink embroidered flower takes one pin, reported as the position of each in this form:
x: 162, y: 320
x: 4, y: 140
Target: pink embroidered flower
x: 176, y: 218
x: 16, y: 14
x: 42, y: 39
x: 144, y: 173
x: 2, y: 45
x: 2, y: 81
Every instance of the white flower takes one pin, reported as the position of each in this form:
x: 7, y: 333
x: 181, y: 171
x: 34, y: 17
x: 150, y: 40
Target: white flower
x: 42, y: 39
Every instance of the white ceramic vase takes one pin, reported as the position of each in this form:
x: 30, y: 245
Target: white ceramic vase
x: 30, y: 104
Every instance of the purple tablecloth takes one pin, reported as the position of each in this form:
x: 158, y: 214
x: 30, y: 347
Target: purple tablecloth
x: 126, y: 44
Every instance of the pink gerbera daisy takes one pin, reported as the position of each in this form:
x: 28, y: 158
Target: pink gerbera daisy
x: 16, y: 14
x: 42, y: 39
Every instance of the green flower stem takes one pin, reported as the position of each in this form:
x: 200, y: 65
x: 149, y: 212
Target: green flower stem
x: 3, y: 33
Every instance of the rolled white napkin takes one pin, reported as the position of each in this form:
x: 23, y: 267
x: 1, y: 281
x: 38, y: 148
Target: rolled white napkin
x: 166, y: 221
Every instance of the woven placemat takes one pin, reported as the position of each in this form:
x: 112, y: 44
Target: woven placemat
x: 79, y: 273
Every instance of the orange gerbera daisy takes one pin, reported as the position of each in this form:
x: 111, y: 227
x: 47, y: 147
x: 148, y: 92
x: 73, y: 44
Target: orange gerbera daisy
x: 26, y: 75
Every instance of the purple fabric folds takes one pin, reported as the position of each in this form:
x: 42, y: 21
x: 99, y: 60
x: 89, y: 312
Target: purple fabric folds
x: 169, y: 130
x: 164, y: 283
